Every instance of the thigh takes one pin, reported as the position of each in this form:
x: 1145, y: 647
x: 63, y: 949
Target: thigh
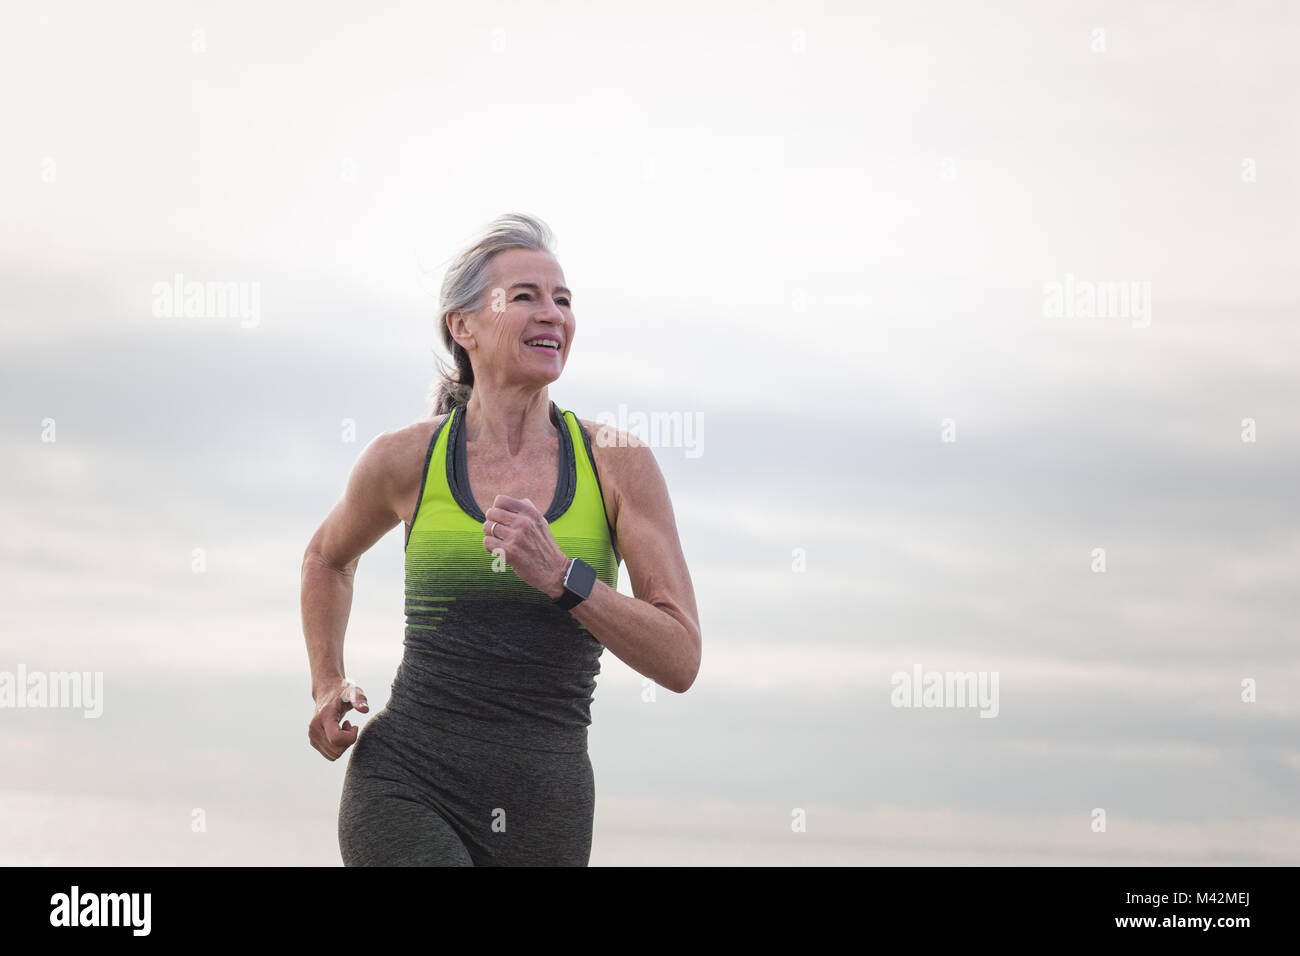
x: 385, y: 816
x: 523, y: 808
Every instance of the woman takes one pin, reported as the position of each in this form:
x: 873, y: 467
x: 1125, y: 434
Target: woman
x: 516, y: 523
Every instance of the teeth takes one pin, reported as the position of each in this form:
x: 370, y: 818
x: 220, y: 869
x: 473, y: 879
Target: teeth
x: 547, y: 342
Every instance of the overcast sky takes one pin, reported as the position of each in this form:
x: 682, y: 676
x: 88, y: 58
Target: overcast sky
x: 826, y: 238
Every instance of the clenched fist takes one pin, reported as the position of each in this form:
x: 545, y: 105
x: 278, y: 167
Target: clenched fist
x: 324, y: 731
x: 521, y: 532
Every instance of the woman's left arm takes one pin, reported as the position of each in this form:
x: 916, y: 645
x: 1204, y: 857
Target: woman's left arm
x: 657, y: 632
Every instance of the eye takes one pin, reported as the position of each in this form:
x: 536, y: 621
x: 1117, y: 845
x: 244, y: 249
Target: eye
x: 563, y: 300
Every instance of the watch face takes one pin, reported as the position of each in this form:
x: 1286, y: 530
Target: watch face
x: 581, y: 578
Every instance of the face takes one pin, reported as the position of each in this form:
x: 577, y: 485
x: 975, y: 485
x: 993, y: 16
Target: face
x: 526, y: 301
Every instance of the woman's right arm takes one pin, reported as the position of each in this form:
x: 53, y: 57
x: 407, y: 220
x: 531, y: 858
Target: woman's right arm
x: 368, y: 510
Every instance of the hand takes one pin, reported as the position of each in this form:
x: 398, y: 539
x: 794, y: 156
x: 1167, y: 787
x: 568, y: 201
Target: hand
x: 324, y: 731
x: 515, y: 526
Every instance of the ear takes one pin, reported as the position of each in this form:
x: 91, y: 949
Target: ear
x: 458, y: 325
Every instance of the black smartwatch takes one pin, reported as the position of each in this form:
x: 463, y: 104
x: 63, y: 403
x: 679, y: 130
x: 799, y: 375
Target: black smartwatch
x: 579, y: 579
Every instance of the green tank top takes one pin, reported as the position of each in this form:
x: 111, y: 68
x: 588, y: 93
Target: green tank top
x: 486, y: 654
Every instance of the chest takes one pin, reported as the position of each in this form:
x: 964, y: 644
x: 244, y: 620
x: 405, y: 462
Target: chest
x: 532, y: 474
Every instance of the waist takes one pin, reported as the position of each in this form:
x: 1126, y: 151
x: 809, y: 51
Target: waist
x: 487, y: 695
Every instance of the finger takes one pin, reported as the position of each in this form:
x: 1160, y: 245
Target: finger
x: 336, y: 735
x: 506, y: 503
x: 494, y: 542
x: 352, y: 696
x: 321, y: 748
x: 527, y: 507
x: 320, y: 739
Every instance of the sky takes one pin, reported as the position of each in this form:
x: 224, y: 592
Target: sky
x: 830, y: 238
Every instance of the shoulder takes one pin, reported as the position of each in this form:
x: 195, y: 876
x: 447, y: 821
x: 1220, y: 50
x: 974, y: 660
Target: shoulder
x: 605, y: 435
x: 409, y: 439
x: 388, y: 457
x: 619, y: 454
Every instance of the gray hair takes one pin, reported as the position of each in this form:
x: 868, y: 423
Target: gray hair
x: 463, y: 290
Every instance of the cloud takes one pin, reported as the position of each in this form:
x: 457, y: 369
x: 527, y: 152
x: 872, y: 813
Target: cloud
x: 823, y: 260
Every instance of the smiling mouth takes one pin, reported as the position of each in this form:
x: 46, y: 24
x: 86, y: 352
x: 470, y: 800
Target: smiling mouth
x: 537, y: 344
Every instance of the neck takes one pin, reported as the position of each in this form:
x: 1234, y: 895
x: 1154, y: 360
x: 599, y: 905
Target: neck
x: 508, y: 419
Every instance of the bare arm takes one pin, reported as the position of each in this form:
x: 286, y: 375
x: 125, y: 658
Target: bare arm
x: 367, y: 511
x: 657, y: 632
